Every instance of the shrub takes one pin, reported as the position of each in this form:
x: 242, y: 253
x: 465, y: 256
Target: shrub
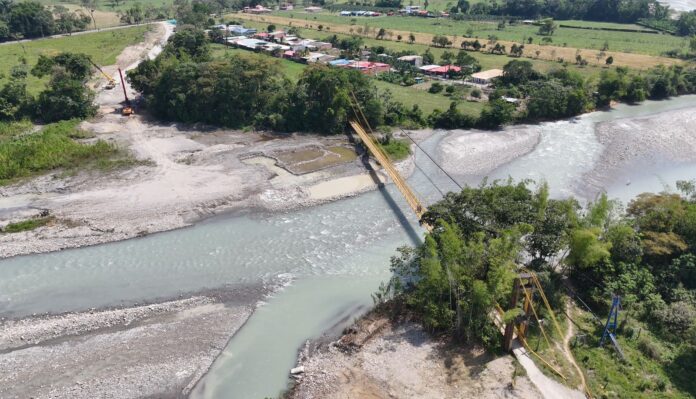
x: 435, y: 88
x: 649, y: 348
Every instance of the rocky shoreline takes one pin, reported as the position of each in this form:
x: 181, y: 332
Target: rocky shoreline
x: 154, y: 350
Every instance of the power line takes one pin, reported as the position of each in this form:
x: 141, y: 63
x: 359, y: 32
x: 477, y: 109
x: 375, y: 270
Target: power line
x: 431, y: 159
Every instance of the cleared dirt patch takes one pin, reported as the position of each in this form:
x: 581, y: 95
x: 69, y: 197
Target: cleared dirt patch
x: 312, y: 159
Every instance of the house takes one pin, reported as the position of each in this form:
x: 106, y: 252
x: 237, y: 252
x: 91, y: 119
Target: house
x: 322, y: 45
x: 287, y: 7
x: 238, y: 30
x: 410, y: 10
x: 320, y: 58
x: 415, y: 60
x: 445, y: 70
x: 251, y: 44
x: 342, y: 62
x: 370, y: 68
x: 345, y: 13
x: 485, y: 77
x: 427, y: 68
x: 259, y: 9
x: 313, y: 9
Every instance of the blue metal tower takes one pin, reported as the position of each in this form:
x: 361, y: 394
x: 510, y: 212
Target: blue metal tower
x: 612, y: 320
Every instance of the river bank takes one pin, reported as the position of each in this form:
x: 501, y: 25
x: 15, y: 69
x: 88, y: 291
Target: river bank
x: 152, y: 350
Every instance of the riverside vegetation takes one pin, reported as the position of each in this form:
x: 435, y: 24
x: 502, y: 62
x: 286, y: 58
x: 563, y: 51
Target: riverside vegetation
x: 645, y: 253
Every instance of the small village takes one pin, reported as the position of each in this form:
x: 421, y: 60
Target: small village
x: 283, y: 44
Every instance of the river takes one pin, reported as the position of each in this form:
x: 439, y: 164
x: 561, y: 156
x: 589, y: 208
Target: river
x: 330, y: 258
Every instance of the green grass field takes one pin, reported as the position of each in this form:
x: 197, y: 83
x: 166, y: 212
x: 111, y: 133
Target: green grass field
x: 103, y: 47
x: 629, y: 42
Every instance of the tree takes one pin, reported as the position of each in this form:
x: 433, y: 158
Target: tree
x: 322, y: 100
x: 463, y: 6
x: 428, y: 57
x: 381, y: 33
x: 609, y: 60
x: 90, y: 6
x: 77, y: 66
x: 133, y: 15
x: 468, y: 63
x: 65, y: 98
x: 496, y: 113
x: 611, y: 87
x: 547, y: 27
x: 553, y: 99
x: 30, y: 19
x: 441, y: 41
x: 15, y: 102
x: 518, y: 72
x: 686, y: 24
x: 271, y: 28
x: 398, y: 38
x: 188, y: 42
x: 447, y: 57
x: 411, y: 38
x: 516, y: 51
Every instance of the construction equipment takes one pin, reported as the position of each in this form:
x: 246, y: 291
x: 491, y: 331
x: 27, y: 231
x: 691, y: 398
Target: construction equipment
x: 111, y: 82
x: 127, y: 109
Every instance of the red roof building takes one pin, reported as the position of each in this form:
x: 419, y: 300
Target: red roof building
x: 370, y: 68
x: 445, y: 69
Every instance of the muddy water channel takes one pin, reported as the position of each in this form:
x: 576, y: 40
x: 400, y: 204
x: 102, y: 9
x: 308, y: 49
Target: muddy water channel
x: 328, y: 258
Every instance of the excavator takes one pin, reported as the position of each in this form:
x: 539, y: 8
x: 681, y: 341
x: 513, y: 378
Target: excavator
x: 127, y: 109
x: 111, y: 82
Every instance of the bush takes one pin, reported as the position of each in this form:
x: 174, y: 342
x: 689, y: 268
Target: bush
x: 649, y: 348
x: 436, y: 87
x: 396, y: 149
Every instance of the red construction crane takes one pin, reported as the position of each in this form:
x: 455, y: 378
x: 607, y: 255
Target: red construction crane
x: 127, y: 109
